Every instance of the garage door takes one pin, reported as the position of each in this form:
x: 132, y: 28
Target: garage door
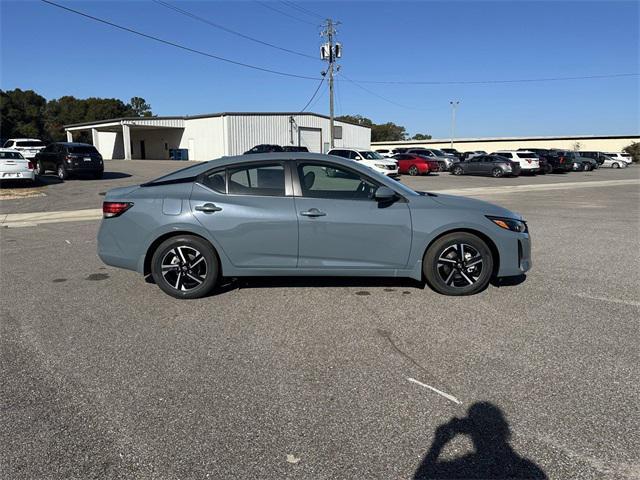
x: 310, y: 138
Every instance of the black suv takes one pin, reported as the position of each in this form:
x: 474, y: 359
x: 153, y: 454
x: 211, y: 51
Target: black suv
x: 552, y: 161
x: 265, y: 148
x: 67, y: 158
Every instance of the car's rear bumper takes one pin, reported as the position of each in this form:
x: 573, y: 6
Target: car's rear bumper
x: 28, y: 175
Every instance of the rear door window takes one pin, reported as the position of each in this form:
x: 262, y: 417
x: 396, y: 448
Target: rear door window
x: 264, y: 180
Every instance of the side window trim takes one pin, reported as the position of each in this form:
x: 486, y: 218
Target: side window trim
x: 288, y: 189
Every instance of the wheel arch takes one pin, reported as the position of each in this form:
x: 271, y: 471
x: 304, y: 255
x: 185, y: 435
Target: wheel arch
x: 146, y: 267
x: 484, y: 237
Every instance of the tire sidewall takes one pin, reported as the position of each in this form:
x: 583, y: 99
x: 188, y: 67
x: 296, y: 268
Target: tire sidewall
x: 189, y: 241
x: 496, y: 173
x: 39, y: 168
x: 413, y: 171
x: 457, y: 170
x: 61, y: 172
x: 430, y: 264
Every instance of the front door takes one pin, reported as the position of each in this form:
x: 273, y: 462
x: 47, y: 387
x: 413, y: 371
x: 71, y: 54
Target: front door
x: 248, y: 214
x: 341, y: 225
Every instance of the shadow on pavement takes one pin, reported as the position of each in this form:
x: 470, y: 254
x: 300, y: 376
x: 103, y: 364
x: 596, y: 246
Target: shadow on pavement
x: 508, y: 281
x: 493, y: 457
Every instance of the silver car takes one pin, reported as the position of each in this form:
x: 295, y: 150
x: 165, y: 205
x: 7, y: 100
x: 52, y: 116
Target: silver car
x: 282, y: 214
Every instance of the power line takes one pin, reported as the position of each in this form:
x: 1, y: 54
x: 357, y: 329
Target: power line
x: 302, y: 9
x: 314, y: 95
x: 182, y: 47
x: 486, y: 82
x: 371, y: 92
x: 319, y: 97
x: 228, y: 30
x: 266, y: 5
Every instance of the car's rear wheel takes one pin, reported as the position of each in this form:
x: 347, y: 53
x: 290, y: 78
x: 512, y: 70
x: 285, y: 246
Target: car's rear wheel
x: 62, y: 172
x: 185, y: 267
x: 497, y: 172
x: 39, y: 168
x: 458, y: 170
x: 458, y: 263
x: 548, y: 168
x: 615, y: 165
x: 413, y: 171
x: 586, y: 167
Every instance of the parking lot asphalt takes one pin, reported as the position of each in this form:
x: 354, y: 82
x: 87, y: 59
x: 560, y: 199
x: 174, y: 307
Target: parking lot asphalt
x: 104, y: 376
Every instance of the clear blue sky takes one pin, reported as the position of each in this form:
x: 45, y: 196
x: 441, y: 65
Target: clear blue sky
x: 57, y: 53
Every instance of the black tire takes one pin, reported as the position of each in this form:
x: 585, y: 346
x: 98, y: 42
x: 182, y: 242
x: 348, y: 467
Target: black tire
x: 413, y: 171
x: 615, y: 165
x: 497, y: 173
x: 40, y: 170
x: 548, y: 168
x: 586, y: 167
x: 62, y: 172
x: 185, y: 273
x: 457, y: 170
x: 446, y: 274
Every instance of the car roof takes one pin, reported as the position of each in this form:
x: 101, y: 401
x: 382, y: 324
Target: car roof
x: 201, y: 167
x: 24, y: 139
x: 10, y: 150
x: 73, y: 144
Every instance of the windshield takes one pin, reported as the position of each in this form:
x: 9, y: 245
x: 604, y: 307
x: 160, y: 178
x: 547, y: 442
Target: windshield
x: 438, y: 153
x: 36, y: 143
x: 369, y: 155
x: 13, y: 155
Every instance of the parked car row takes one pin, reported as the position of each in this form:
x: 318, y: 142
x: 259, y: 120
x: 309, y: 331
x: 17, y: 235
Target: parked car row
x: 23, y: 159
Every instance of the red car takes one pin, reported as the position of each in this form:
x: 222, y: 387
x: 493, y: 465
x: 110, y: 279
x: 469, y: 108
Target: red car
x: 415, y: 165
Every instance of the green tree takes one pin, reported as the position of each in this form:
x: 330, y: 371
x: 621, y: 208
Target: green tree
x: 356, y: 119
x: 634, y: 151
x: 140, y: 107
x: 421, y: 136
x: 388, y: 132
x: 21, y: 113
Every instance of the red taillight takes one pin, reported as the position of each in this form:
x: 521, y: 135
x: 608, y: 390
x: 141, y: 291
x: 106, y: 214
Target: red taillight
x: 30, y: 166
x: 113, y: 209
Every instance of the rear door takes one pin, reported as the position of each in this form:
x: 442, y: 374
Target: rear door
x: 250, y: 212
x: 342, y: 226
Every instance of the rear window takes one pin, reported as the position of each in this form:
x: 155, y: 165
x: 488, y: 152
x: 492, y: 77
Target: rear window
x: 527, y: 155
x: 35, y: 143
x: 81, y: 149
x: 12, y: 155
x: 505, y: 154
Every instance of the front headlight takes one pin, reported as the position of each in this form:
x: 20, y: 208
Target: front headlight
x: 509, y: 224
x: 380, y: 165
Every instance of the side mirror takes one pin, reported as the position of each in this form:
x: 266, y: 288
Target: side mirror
x: 385, y: 194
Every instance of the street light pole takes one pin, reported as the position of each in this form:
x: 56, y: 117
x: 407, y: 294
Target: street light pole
x: 454, y: 105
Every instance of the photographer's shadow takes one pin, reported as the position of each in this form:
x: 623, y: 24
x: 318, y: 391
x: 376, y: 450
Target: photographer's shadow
x: 493, y: 456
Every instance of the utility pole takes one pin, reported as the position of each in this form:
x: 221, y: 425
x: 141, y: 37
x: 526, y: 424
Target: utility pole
x: 454, y: 105
x: 330, y: 51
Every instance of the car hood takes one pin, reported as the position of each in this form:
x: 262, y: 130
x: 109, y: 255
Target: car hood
x: 466, y: 203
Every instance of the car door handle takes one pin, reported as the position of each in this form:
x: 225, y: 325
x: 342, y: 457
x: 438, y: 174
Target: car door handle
x: 313, y: 212
x: 208, y: 208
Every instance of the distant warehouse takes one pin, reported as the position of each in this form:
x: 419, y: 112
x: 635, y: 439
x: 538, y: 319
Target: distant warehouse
x: 205, y: 137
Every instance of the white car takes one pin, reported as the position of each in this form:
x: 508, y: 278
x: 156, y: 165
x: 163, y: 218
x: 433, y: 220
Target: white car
x: 529, y: 161
x: 385, y: 153
x: 625, y: 157
x: 613, y: 163
x: 13, y: 166
x: 369, y: 158
x: 28, y: 147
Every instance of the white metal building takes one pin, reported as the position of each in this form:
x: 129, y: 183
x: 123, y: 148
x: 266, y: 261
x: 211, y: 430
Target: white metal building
x: 215, y: 135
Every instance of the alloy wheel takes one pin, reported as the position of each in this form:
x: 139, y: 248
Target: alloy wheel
x: 413, y: 171
x: 496, y: 172
x: 460, y: 265
x: 184, y: 268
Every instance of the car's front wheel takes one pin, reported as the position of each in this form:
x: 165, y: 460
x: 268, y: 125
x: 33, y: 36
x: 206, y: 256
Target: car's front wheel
x: 457, y: 170
x: 615, y: 165
x: 458, y: 263
x: 185, y: 267
x: 39, y: 168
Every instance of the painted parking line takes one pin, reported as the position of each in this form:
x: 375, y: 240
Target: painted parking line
x: 14, y: 220
x: 508, y: 189
x: 433, y: 389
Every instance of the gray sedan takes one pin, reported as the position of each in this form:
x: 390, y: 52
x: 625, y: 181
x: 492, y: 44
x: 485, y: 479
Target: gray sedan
x: 493, y: 165
x: 282, y: 214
